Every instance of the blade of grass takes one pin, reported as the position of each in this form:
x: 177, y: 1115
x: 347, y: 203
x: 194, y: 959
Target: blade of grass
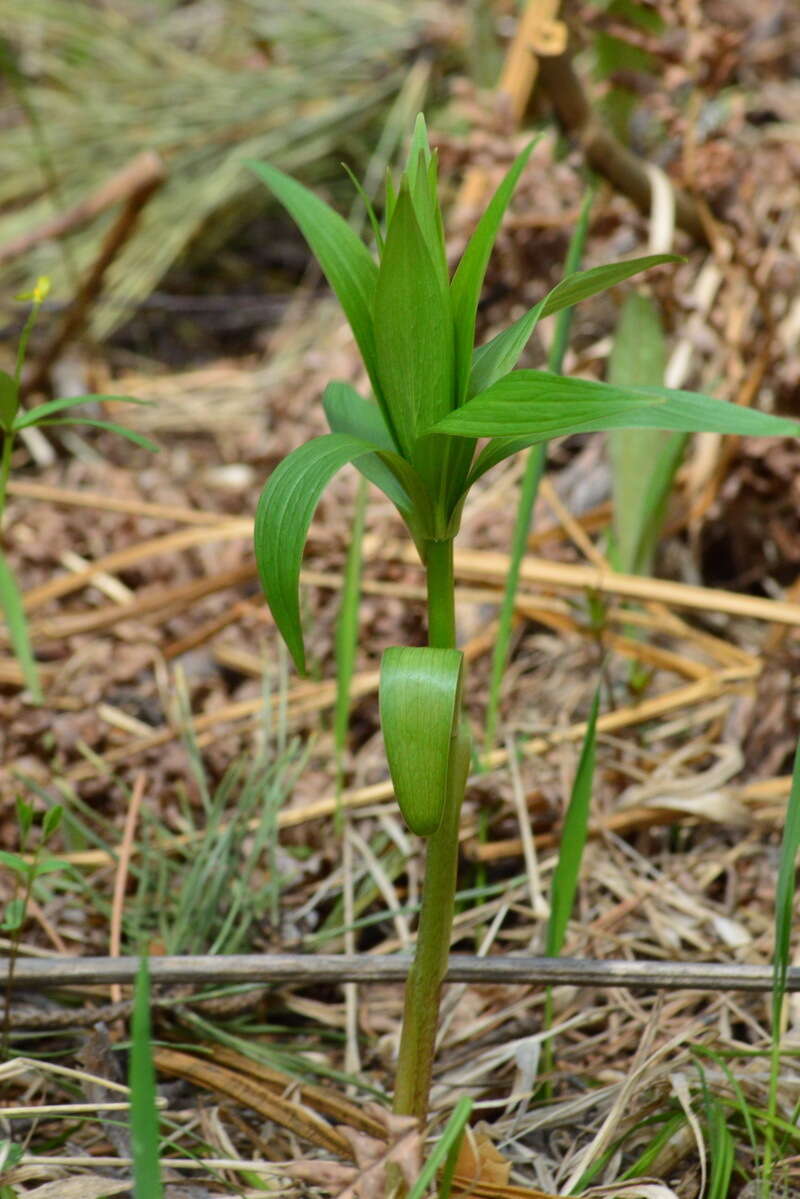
x: 784, y: 908
x: 568, y: 868
x: 144, y: 1117
x: 528, y: 491
x: 11, y: 604
x: 445, y: 1151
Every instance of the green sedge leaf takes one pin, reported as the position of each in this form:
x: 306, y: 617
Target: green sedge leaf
x: 33, y: 416
x: 145, y: 1139
x: 414, y: 335
x: 573, y: 840
x: 419, y: 702
x: 24, y: 818
x: 348, y: 412
x: 345, y: 260
x: 537, y: 405
x: 500, y: 355
x: 110, y: 427
x: 11, y: 604
x: 369, y: 208
x: 9, y: 400
x: 467, y: 282
x: 283, y: 517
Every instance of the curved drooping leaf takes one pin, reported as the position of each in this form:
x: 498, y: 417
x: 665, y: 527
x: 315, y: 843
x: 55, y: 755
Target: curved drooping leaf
x: 282, y: 519
x: 420, y: 707
x: 110, y: 427
x: 465, y: 288
x: 413, y: 331
x: 500, y: 355
x: 537, y: 405
x: 13, y: 609
x: 348, y: 412
x: 345, y: 260
x: 34, y: 416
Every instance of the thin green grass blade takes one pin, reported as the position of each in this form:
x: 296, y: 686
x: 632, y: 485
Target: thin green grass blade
x: 142, y: 1081
x: 720, y: 1144
x: 528, y: 491
x: 11, y: 604
x: 347, y: 635
x: 465, y: 288
x: 446, y: 1149
x: 369, y: 208
x: 41, y: 412
x: 420, y: 692
x: 784, y: 916
x: 539, y: 405
x: 110, y: 427
x: 345, y: 260
x: 501, y: 354
x: 573, y: 840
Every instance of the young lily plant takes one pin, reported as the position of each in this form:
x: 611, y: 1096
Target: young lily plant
x: 416, y: 438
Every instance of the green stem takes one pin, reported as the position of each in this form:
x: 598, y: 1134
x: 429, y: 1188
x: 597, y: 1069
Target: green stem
x: 5, y: 470
x: 423, y: 988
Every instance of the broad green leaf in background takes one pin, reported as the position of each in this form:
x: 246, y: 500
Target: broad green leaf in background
x: 345, y: 260
x: 638, y: 357
x: 540, y: 405
x: 465, y: 289
x: 12, y: 606
x: 501, y: 354
x: 420, y: 702
x: 142, y: 1082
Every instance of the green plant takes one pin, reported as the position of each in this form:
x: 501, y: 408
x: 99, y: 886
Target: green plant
x: 435, y: 396
x: 14, y: 420
x: 142, y: 1081
x: 26, y: 868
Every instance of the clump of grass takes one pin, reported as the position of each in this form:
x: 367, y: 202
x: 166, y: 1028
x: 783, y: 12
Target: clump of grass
x: 435, y: 395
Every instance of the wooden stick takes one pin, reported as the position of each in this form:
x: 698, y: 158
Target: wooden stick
x: 306, y: 969
x: 111, y: 503
x: 139, y: 172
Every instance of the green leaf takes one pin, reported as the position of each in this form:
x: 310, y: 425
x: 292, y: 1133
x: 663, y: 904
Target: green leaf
x: 9, y: 400
x: 345, y: 260
x: 48, y: 866
x: 444, y: 1152
x: 467, y: 282
x: 24, y: 818
x: 14, y: 861
x: 639, y: 356
x: 52, y: 821
x: 413, y: 335
x: 573, y: 840
x: 282, y: 519
x: 501, y: 354
x: 537, y: 405
x: 109, y: 426
x: 419, y: 702
x: 11, y: 604
x: 348, y: 412
x: 142, y: 1081
x: 34, y: 416
x: 13, y: 914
